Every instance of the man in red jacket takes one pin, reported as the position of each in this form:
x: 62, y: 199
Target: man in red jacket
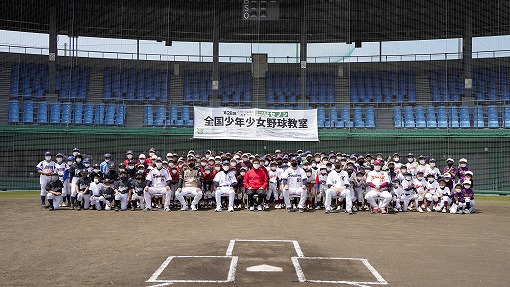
x: 256, y: 182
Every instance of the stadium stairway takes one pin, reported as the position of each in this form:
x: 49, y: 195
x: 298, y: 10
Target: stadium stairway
x: 135, y: 118
x: 5, y: 76
x: 176, y: 89
x: 384, y: 118
x: 259, y: 92
x: 423, y: 89
x: 95, y: 85
x: 342, y: 90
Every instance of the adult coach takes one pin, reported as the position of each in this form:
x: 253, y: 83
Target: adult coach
x: 294, y: 184
x: 255, y: 182
x: 190, y: 182
x: 377, y: 182
x: 45, y: 168
x: 158, y: 183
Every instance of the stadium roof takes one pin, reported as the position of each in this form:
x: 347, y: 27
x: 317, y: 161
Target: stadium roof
x: 327, y: 20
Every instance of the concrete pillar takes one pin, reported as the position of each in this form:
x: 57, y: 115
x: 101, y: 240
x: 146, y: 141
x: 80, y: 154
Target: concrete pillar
x: 467, y: 47
x: 303, y: 51
x: 52, y: 50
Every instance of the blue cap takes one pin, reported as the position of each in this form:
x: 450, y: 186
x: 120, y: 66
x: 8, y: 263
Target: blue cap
x: 59, y: 155
x: 71, y: 158
x: 86, y: 160
x: 107, y: 155
x: 47, y: 153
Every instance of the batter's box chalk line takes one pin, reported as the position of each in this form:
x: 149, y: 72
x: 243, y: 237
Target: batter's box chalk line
x: 295, y: 261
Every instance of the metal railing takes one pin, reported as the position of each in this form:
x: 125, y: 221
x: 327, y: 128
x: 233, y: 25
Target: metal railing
x: 247, y: 59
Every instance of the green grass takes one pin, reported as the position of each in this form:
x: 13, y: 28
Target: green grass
x: 35, y: 194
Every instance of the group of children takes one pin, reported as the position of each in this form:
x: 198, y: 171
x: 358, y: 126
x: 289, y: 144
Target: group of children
x: 357, y: 183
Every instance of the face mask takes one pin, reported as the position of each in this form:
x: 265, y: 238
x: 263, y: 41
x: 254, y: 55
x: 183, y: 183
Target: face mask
x: 96, y: 180
x: 396, y: 159
x: 87, y: 164
x: 458, y: 190
x: 226, y: 168
x: 266, y: 163
x: 410, y: 159
x: 328, y: 169
x: 463, y: 165
x: 256, y: 165
x: 153, y: 157
x: 403, y: 171
x: 121, y: 170
x: 273, y: 168
x: 408, y: 178
x: 131, y: 167
x: 379, y: 158
x: 294, y: 164
x: 323, y: 172
x: 325, y: 162
x: 314, y: 165
x: 233, y: 164
x: 377, y: 168
x: 308, y: 174
x: 75, y: 153
x: 151, y: 154
x: 359, y: 178
x: 419, y: 178
x: 431, y: 180
x: 332, y: 160
x: 78, y: 160
x: 442, y: 187
x: 174, y: 171
x: 180, y: 165
x: 337, y: 166
x: 129, y: 156
x: 217, y: 162
x: 432, y: 164
x: 243, y: 173
x: 191, y: 165
x: 245, y: 159
x: 107, y: 186
x: 59, y: 159
x: 171, y: 165
x: 450, y: 163
x: 207, y: 172
x: 422, y: 162
x: 159, y: 165
x: 107, y: 160
x: 47, y: 158
x: 203, y: 163
x: 317, y: 159
x: 447, y: 180
x: 69, y: 162
x: 467, y: 186
x: 217, y: 168
x: 96, y: 170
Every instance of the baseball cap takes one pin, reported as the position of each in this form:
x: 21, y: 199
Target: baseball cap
x: 59, y: 155
x: 76, y: 149
x: 169, y: 154
x: 463, y: 160
x: 107, y: 155
x: 47, y: 153
x: 159, y: 159
x: 129, y: 152
x: 86, y: 160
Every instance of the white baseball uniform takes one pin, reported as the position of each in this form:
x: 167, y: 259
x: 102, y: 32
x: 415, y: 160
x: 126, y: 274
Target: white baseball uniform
x: 47, y: 167
x: 338, y: 183
x: 225, y: 182
x: 374, y: 179
x: 158, y: 179
x: 295, y: 179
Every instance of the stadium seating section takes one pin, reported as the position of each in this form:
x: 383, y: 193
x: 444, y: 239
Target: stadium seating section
x: 125, y: 86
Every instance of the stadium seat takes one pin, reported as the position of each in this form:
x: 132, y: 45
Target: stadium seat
x: 431, y: 117
x: 442, y: 117
x: 67, y: 109
x: 465, y: 121
x: 148, y: 115
x: 88, y: 114
x: 55, y: 113
x: 42, y: 112
x: 409, y: 117
x: 370, y: 117
x: 454, y: 117
x: 397, y: 117
x: 478, y: 117
x: 420, y: 117
x: 13, y: 111
x: 100, y: 114
x: 28, y: 111
x: 110, y: 114
x: 492, y: 115
x: 120, y: 115
x: 160, y: 115
x: 78, y: 113
x: 358, y: 118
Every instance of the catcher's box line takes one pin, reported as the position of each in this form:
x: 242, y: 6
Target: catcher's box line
x: 232, y: 243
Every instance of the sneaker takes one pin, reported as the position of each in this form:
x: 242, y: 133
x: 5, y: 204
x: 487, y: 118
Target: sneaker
x: 252, y: 208
x: 259, y: 208
x: 288, y: 209
x: 349, y: 212
x: 395, y: 210
x: 419, y: 209
x: 354, y: 208
x: 318, y: 207
x: 167, y: 209
x: 466, y: 211
x: 428, y: 209
x: 266, y: 206
x: 278, y: 206
x: 116, y: 208
x: 338, y: 208
x: 193, y: 207
x: 444, y: 210
x: 383, y: 211
x: 184, y: 208
x: 132, y: 208
x: 146, y: 209
x: 399, y: 210
x: 230, y: 209
x: 327, y: 210
x: 301, y: 210
x: 79, y: 208
x: 367, y: 208
x: 218, y: 209
x: 459, y: 211
x: 51, y: 208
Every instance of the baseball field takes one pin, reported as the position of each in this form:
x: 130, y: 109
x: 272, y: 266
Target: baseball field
x: 269, y: 248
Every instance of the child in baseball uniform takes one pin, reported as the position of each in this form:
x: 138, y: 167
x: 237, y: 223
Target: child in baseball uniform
x: 458, y: 202
x: 96, y: 189
x: 358, y: 182
x: 443, y: 192
x: 54, y: 189
x: 108, y: 194
x: 82, y: 189
x: 431, y: 188
x: 123, y: 189
x: 139, y: 186
x: 408, y: 192
x: 272, y: 189
x: 45, y: 168
x: 396, y: 193
x: 469, y: 196
x: 62, y: 170
x: 321, y: 180
x: 419, y: 186
x: 224, y: 182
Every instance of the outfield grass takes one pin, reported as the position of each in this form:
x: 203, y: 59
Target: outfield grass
x: 35, y: 194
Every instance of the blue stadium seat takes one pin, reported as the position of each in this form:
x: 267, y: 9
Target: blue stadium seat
x: 28, y: 111
x: 478, y: 117
x: 420, y: 117
x: 148, y: 115
x: 358, y: 118
x: 409, y: 117
x: 465, y: 121
x: 121, y: 115
x: 492, y: 115
x: 78, y: 113
x: 160, y: 115
x: 55, y: 113
x: 442, y: 117
x: 345, y: 117
x: 454, y: 117
x: 370, y: 117
x: 110, y: 114
x: 67, y: 109
x: 431, y: 117
x: 100, y: 114
x: 42, y: 112
x: 88, y: 114
x: 397, y: 117
x: 14, y: 111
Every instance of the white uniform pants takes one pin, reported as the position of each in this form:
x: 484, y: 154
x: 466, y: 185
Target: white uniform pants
x: 85, y: 198
x: 157, y: 191
x: 292, y: 192
x: 405, y: 200
x: 272, y: 189
x: 96, y: 200
x: 431, y: 197
x: 43, y: 181
x: 456, y: 207
x: 193, y: 191
x: 225, y: 191
x: 135, y: 197
x: 374, y: 194
x: 346, y: 193
x: 67, y: 188
x: 123, y: 197
x: 73, y: 186
x: 443, y: 202
x: 56, y: 200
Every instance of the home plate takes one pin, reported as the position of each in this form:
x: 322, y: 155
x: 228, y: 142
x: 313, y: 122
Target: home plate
x: 264, y: 268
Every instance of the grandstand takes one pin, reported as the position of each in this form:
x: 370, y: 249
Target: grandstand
x: 376, y: 103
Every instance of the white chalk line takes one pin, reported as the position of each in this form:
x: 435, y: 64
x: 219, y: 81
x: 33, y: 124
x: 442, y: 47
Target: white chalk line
x: 230, y: 276
x: 296, y: 245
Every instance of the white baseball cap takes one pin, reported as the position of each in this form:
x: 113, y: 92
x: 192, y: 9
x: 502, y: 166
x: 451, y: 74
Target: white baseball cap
x: 463, y: 160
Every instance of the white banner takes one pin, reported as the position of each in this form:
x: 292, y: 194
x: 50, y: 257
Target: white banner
x: 255, y: 124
